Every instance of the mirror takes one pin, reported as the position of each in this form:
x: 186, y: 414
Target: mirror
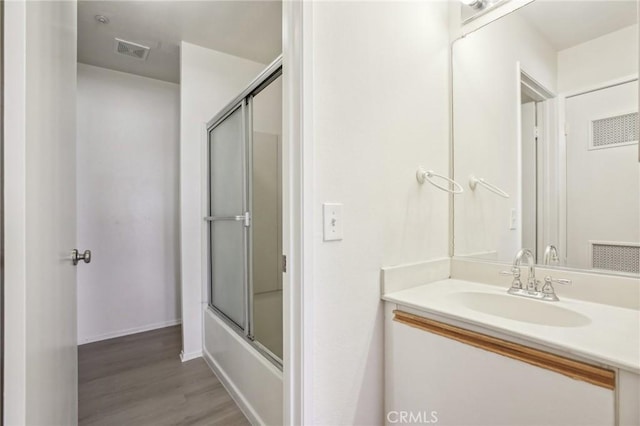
x: 545, y: 136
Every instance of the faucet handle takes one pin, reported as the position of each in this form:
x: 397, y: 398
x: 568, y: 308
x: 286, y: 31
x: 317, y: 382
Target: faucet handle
x: 515, y: 271
x: 549, y: 279
x: 548, y: 292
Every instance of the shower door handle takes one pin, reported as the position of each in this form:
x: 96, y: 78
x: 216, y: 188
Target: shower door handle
x: 215, y: 218
x: 246, y: 218
x: 76, y: 256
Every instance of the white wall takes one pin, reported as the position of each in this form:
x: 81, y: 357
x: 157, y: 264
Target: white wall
x: 380, y: 109
x: 598, y: 61
x: 208, y: 81
x: 127, y: 177
x: 487, y: 129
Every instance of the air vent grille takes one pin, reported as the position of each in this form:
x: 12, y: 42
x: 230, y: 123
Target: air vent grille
x: 131, y: 49
x: 616, y: 257
x: 621, y: 129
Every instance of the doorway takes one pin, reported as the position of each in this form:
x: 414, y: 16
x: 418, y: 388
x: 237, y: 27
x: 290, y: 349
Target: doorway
x: 535, y: 140
x: 147, y: 172
x: 53, y: 156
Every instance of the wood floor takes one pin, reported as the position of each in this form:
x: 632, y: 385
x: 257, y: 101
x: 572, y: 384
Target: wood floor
x: 140, y: 380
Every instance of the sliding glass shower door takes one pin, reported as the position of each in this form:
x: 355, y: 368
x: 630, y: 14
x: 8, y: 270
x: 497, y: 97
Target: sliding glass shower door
x: 266, y: 206
x: 228, y: 217
x: 245, y: 215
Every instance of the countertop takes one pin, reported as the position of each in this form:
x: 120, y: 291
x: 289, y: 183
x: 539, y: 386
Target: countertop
x: 610, y: 336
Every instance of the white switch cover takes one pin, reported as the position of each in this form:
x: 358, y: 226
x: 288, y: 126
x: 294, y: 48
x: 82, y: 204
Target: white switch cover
x: 332, y: 215
x: 513, y: 220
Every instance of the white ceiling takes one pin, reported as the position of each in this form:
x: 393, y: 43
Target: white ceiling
x: 568, y: 23
x: 248, y: 29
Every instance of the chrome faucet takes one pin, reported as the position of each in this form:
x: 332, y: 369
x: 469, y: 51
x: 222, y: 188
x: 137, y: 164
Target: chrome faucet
x: 550, y: 255
x: 532, y: 290
x: 531, y: 262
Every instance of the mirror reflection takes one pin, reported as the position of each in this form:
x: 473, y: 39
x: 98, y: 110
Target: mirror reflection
x: 545, y: 104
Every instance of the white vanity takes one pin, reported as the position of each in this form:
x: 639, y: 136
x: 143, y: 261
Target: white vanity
x: 545, y: 164
x: 469, y: 353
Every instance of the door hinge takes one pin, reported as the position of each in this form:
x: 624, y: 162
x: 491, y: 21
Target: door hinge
x: 566, y: 128
x: 247, y: 219
x: 284, y: 263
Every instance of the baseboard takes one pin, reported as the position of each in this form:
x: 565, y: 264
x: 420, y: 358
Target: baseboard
x: 128, y: 331
x: 239, y: 399
x: 188, y: 357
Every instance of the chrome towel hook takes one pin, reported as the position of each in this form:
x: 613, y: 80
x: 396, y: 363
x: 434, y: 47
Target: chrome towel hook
x: 423, y: 176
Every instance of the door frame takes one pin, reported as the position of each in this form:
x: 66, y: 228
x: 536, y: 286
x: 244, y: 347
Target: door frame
x: 14, y: 122
x: 298, y: 213
x: 545, y: 138
x: 1, y: 212
x: 298, y: 218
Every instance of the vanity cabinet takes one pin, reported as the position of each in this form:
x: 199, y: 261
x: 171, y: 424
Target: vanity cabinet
x: 628, y: 398
x: 445, y: 378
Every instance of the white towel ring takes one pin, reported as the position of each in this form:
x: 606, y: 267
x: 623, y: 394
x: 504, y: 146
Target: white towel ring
x: 474, y: 181
x: 423, y: 176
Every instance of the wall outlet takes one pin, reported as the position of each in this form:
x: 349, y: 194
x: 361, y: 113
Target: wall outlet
x: 332, y: 215
x: 513, y: 219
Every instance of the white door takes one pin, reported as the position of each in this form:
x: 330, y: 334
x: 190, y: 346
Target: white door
x: 603, y: 179
x: 40, y: 213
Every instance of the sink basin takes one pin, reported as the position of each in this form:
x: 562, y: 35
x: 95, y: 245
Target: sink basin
x: 520, y: 309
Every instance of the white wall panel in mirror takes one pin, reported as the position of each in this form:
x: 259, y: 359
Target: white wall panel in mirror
x: 545, y: 108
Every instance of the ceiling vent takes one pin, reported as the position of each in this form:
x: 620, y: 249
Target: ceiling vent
x: 134, y: 50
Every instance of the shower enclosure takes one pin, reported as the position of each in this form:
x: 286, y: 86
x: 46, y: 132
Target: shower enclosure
x: 245, y: 213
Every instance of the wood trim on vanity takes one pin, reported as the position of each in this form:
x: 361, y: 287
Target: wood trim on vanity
x: 575, y: 369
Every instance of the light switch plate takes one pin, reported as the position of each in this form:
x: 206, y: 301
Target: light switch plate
x: 513, y: 219
x: 332, y: 221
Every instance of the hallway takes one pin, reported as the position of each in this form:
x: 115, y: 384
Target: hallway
x: 140, y: 380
